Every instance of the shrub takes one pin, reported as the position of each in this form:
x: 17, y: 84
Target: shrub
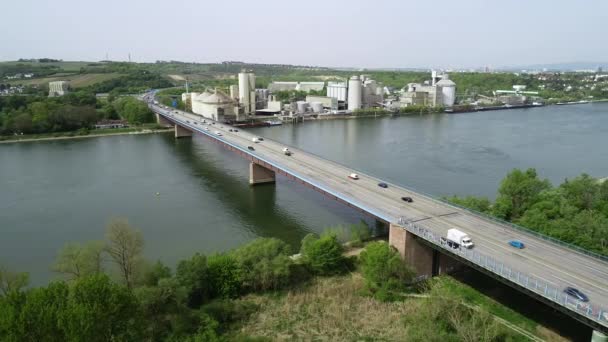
x: 324, y: 254
x: 224, y: 276
x: 383, y: 269
x: 265, y: 264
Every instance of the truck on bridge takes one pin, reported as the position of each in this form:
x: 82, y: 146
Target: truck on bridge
x: 457, y: 238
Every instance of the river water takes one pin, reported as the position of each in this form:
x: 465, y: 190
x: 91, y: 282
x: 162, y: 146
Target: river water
x: 67, y: 190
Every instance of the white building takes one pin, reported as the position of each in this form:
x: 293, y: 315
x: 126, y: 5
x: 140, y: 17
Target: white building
x: 303, y: 86
x: 216, y: 106
x: 440, y: 91
x: 337, y: 90
x: 58, y: 88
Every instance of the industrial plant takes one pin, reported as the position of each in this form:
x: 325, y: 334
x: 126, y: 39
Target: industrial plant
x: 244, y: 103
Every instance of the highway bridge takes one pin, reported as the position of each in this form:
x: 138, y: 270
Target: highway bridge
x: 542, y: 269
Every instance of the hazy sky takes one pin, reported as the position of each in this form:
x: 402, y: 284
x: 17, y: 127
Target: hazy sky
x: 371, y: 33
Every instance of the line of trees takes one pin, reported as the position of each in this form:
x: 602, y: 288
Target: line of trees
x: 111, y: 293
x: 576, y: 211
x: 150, y: 301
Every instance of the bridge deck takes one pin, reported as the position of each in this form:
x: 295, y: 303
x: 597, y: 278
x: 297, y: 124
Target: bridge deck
x: 556, y: 265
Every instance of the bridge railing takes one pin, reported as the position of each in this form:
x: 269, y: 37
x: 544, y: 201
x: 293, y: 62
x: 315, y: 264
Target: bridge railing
x: 517, y: 227
x: 507, y: 272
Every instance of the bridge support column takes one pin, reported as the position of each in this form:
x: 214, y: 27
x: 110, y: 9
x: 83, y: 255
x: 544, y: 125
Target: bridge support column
x: 181, y: 132
x: 419, y: 256
x: 162, y: 121
x: 260, y: 175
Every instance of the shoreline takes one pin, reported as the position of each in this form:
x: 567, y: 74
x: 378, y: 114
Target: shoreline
x: 152, y: 131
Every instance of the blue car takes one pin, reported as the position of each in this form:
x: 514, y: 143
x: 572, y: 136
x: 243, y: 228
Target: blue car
x: 383, y: 185
x: 517, y: 244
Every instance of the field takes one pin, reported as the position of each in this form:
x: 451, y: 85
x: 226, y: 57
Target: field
x: 76, y: 80
x: 333, y: 309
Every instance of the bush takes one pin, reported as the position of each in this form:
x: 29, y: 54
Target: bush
x: 384, y: 270
x: 224, y: 276
x: 324, y: 254
x: 265, y: 264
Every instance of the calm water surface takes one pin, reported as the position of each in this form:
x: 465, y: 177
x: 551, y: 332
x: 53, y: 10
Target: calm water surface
x: 54, y: 192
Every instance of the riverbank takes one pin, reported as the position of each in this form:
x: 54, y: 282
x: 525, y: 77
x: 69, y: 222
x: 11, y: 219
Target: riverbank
x: 95, y: 134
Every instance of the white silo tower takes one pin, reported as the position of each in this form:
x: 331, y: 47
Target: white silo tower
x: 354, y: 93
x: 448, y: 91
x: 247, y: 91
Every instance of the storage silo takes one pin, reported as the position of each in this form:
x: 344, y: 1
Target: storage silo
x: 317, y: 107
x: 354, y: 93
x: 246, y: 88
x: 301, y: 107
x: 448, y: 91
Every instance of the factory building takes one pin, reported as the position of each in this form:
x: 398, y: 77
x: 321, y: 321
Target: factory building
x: 214, y: 105
x: 439, y: 91
x: 354, y: 93
x: 363, y: 92
x: 326, y: 102
x: 58, y: 88
x: 302, y: 86
x: 337, y: 90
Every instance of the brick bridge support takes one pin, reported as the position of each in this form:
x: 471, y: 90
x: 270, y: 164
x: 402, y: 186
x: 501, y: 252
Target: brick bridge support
x: 426, y: 261
x: 260, y: 175
x: 181, y: 132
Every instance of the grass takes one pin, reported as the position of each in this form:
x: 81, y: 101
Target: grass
x: 329, y: 309
x: 334, y: 309
x: 75, y: 80
x: 474, y: 298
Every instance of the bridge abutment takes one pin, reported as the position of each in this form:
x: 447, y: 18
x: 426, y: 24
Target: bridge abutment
x: 181, y: 132
x: 260, y: 175
x: 161, y: 120
x: 416, y: 254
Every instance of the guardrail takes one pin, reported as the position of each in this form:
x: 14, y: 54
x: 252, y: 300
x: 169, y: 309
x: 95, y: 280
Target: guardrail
x: 522, y: 279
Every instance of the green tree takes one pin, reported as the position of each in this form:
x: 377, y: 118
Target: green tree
x: 42, y: 311
x: 12, y: 281
x: 582, y: 191
x: 224, y: 275
x: 193, y: 275
x: 154, y: 273
x: 383, y: 268
x: 324, y: 254
x: 517, y: 192
x: 125, y: 247
x: 76, y: 260
x: 99, y: 310
x: 161, y: 306
x: 265, y: 264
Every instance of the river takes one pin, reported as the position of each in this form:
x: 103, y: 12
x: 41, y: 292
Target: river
x: 54, y: 192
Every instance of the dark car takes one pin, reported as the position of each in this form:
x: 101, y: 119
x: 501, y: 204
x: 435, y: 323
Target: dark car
x: 261, y: 139
x: 383, y: 185
x: 407, y: 199
x: 571, y: 291
x: 230, y: 130
x: 235, y: 130
x: 251, y: 148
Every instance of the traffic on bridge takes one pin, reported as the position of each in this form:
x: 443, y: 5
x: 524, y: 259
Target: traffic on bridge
x: 571, y: 280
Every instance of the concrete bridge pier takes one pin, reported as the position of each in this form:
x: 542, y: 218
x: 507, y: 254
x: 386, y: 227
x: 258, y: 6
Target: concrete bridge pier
x: 260, y: 175
x: 426, y: 261
x: 181, y: 132
x: 162, y: 121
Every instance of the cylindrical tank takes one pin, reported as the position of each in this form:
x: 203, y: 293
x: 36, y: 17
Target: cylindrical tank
x: 302, y: 105
x: 317, y: 107
x: 448, y: 91
x: 354, y: 93
x: 244, y: 90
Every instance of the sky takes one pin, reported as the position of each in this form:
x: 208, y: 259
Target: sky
x: 332, y: 33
